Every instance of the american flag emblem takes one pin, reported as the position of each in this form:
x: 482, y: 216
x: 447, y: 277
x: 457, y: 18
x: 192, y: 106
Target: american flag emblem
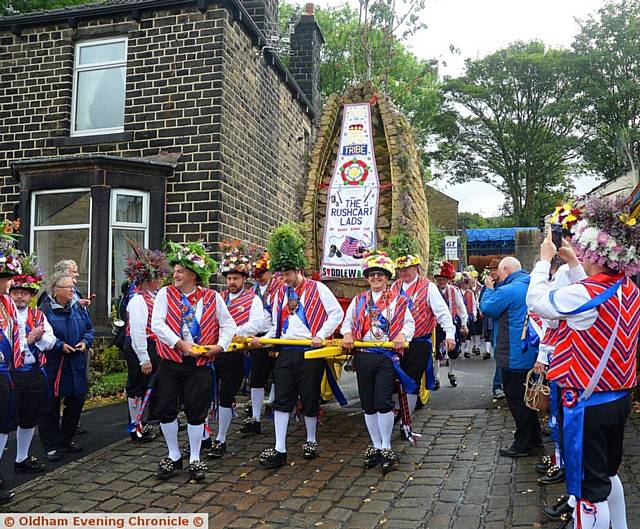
x: 349, y: 246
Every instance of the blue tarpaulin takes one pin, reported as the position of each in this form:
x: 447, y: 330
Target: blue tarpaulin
x: 491, y: 241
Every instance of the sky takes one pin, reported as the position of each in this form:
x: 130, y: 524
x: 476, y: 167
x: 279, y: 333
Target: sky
x: 479, y: 27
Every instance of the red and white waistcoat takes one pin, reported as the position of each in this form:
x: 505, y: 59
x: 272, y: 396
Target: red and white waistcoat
x: 421, y: 309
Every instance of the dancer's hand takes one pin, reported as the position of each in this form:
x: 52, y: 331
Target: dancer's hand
x: 451, y: 344
x: 398, y: 342
x: 347, y: 341
x: 146, y: 368
x: 539, y: 368
x: 316, y: 341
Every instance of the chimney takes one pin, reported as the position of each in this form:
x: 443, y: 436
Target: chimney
x: 304, y: 65
x: 265, y: 14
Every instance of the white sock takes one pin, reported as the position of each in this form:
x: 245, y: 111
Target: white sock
x: 412, y: 400
x: 451, y: 364
x: 617, y: 507
x: 170, y: 433
x: 597, y: 520
x: 371, y: 420
x: 436, y: 369
x: 133, y: 409
x: 311, y: 423
x: 224, y: 421
x: 194, y: 431
x: 23, y: 441
x: 272, y: 394
x: 385, y: 423
x: 281, y: 421
x: 487, y: 347
x: 257, y: 396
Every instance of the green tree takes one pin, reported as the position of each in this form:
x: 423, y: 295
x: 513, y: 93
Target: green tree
x: 14, y: 7
x: 607, y: 93
x: 410, y: 82
x: 513, y: 127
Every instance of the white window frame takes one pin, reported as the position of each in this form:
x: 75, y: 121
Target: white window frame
x: 77, y: 68
x: 137, y: 226
x: 61, y: 227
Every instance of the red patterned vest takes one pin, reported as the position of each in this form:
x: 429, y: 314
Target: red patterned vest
x: 10, y: 329
x: 209, y: 325
x: 449, y: 297
x: 276, y: 284
x: 148, y: 299
x: 577, y: 353
x: 361, y: 316
x: 420, y: 310
x: 314, y: 310
x: 35, y: 318
x: 467, y: 296
x: 240, y: 307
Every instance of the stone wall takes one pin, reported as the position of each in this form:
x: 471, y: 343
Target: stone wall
x: 195, y: 86
x: 443, y: 210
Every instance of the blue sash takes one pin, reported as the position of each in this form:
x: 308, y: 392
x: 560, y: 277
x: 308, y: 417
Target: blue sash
x: 194, y: 326
x: 6, y: 350
x: 407, y: 382
x: 573, y: 431
x: 292, y: 294
x: 594, y: 302
x: 554, y: 413
x: 430, y: 376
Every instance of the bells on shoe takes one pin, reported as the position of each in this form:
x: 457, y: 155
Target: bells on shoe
x: 452, y: 380
x: 218, y: 449
x: 372, y: 457
x: 271, y: 458
x: 560, y: 508
x: 310, y: 450
x: 250, y: 427
x: 167, y: 468
x: 197, y: 471
x: 554, y: 475
x: 29, y: 466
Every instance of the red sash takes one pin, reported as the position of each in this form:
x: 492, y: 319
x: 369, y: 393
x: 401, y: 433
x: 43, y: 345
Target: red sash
x: 240, y: 307
x: 35, y: 318
x: 362, y: 317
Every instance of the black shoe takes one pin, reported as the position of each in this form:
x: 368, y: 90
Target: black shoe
x: 390, y: 460
x: 53, y: 455
x: 271, y: 458
x: 168, y: 467
x: 452, y: 380
x: 145, y: 435
x: 6, y: 497
x: 372, y: 457
x: 514, y: 452
x: 72, y: 448
x: 566, y: 521
x: 467, y: 355
x: 554, y: 475
x: 476, y: 351
x: 248, y: 410
x: 436, y: 386
x: 309, y: 450
x: 250, y: 427
x: 543, y: 465
x: 80, y: 430
x: 197, y: 471
x: 560, y: 507
x: 28, y: 466
x: 218, y: 449
x: 486, y: 356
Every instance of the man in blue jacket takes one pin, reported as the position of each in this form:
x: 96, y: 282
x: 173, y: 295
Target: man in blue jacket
x: 506, y: 304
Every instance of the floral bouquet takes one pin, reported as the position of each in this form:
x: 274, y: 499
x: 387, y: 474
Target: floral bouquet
x: 235, y: 258
x: 193, y: 256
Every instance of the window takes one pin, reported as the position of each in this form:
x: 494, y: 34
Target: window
x: 61, y: 229
x: 99, y: 76
x: 129, y: 222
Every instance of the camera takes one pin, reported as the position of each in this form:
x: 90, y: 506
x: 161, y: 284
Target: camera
x: 556, y: 235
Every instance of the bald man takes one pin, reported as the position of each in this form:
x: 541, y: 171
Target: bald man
x: 505, y: 302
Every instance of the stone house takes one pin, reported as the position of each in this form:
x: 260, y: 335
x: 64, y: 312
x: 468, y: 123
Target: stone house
x: 443, y: 210
x: 146, y: 119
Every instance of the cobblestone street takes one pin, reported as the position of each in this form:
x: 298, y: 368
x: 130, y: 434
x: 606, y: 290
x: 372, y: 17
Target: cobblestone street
x: 454, y: 478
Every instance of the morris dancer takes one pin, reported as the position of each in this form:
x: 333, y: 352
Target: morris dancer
x: 266, y: 287
x: 378, y: 314
x: 184, y: 314
x: 471, y: 306
x: 247, y: 312
x: 428, y: 309
x: 443, y: 273
x: 595, y: 355
x: 29, y: 383
x: 145, y: 270
x: 305, y: 309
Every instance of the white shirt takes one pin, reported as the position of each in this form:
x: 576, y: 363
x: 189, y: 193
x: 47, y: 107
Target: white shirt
x: 138, y: 315
x: 459, y: 302
x: 48, y: 340
x: 256, y: 324
x: 408, y: 325
x: 439, y: 308
x: 298, y: 330
x: 167, y: 336
x: 567, y: 298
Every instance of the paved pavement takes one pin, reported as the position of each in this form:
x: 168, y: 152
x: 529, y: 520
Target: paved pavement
x: 453, y: 479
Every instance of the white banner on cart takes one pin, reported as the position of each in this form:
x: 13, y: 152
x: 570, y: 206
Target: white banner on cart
x: 352, y: 202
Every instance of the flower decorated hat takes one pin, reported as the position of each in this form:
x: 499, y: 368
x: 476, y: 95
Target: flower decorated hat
x: 286, y: 247
x: 146, y: 265
x: 9, y: 255
x: 606, y: 231
x: 235, y: 258
x: 260, y: 261
x: 193, y: 256
x: 404, y: 249
x: 471, y: 271
x: 378, y: 262
x: 31, y: 277
x: 443, y: 269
